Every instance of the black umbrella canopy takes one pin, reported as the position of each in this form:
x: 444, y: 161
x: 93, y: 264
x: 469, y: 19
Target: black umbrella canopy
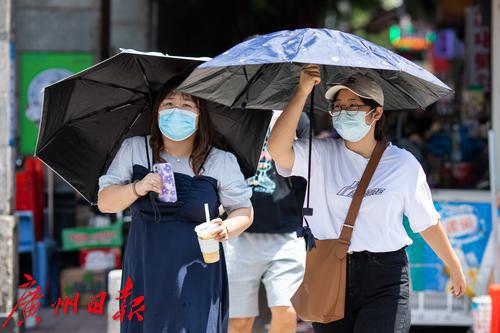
x: 87, y: 116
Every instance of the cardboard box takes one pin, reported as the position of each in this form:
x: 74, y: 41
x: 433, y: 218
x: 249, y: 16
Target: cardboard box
x: 99, y: 259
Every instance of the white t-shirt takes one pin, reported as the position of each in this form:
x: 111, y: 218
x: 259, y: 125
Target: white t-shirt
x: 398, y: 187
x: 233, y: 191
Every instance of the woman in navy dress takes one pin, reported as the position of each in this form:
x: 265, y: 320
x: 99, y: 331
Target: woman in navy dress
x: 162, y: 256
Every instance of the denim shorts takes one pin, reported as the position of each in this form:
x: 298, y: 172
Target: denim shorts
x: 377, y: 295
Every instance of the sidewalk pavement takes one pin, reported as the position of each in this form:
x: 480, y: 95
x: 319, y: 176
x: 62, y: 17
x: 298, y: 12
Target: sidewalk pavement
x: 81, y: 322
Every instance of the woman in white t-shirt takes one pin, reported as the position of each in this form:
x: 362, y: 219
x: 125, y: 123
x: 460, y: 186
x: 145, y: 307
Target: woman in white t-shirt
x: 378, y: 279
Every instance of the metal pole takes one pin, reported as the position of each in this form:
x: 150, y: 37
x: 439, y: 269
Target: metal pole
x: 493, y: 189
x: 495, y: 113
x: 50, y: 202
x: 105, y: 35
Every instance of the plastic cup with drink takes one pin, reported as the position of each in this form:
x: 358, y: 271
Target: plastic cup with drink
x: 208, y: 245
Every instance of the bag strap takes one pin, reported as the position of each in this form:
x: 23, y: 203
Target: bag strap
x: 152, y: 195
x: 352, y: 213
x: 147, y: 152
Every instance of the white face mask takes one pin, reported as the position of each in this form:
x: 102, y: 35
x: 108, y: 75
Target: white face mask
x: 352, y: 127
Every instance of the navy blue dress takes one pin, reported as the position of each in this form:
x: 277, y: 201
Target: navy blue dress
x: 163, y: 258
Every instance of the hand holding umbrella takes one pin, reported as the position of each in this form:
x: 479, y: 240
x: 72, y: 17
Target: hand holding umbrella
x: 309, y: 78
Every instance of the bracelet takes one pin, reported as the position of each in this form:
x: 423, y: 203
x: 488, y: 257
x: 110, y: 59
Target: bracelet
x: 135, y: 191
x: 227, y: 230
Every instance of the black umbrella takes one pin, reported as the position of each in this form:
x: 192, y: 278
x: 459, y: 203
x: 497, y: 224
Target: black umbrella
x: 87, y: 116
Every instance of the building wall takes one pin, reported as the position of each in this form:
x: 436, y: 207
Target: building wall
x: 7, y: 107
x: 8, y: 230
x: 130, y: 24
x: 57, y: 25
x: 75, y: 25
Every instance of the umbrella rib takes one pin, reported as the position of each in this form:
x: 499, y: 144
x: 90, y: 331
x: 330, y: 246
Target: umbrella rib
x: 67, y: 182
x: 145, y: 77
x: 254, y: 78
x: 112, y: 85
x: 245, y: 72
x: 403, y: 91
x: 125, y: 131
x: 119, y: 142
x: 69, y: 123
x: 107, y: 109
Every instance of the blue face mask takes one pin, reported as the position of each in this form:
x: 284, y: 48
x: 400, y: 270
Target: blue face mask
x: 352, y: 127
x: 177, y: 124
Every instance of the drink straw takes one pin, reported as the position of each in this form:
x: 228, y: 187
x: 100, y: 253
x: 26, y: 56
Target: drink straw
x: 207, y: 214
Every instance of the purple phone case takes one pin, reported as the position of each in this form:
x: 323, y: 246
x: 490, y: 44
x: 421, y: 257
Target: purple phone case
x: 169, y: 192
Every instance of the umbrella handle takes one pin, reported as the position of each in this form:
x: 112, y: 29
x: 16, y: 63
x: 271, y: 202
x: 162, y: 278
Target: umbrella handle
x: 308, y: 211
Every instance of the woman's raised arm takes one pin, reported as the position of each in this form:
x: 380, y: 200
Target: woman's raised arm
x: 283, y: 133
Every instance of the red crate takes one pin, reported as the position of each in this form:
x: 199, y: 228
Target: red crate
x: 25, y: 191
x: 30, y: 193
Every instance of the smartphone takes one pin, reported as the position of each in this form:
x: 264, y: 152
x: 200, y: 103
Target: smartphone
x: 168, y: 192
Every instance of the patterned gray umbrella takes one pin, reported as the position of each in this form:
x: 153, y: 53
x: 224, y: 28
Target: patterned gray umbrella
x: 263, y: 72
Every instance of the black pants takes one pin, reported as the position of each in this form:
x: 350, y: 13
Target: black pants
x: 377, y: 295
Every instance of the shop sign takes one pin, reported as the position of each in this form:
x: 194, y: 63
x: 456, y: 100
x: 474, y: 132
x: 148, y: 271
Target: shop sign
x: 477, y: 49
x: 84, y: 238
x: 38, y: 70
x: 469, y: 228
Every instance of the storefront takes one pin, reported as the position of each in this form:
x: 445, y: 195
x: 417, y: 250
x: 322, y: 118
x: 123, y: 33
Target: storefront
x: 454, y: 141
